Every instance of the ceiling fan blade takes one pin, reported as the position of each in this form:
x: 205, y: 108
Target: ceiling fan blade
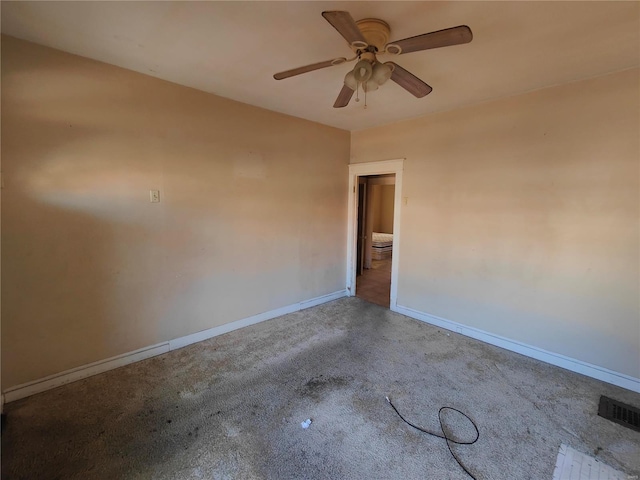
x: 343, y: 97
x: 409, y: 81
x: 346, y: 26
x: 441, y: 38
x: 309, y: 68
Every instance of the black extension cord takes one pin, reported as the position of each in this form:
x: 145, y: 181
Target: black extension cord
x: 444, y: 433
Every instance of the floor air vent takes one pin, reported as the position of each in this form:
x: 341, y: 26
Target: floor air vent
x: 619, y: 412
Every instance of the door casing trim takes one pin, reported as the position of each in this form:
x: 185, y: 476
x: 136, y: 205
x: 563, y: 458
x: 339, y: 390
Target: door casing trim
x: 394, y: 166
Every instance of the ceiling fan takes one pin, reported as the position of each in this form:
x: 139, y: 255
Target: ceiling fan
x: 370, y: 37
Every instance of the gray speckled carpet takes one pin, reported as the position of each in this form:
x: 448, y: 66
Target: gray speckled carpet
x: 231, y: 407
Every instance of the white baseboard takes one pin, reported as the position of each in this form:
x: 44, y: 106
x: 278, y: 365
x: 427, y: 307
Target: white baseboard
x: 578, y: 366
x: 229, y: 327
x: 84, y: 371
x: 323, y: 299
x: 245, y: 322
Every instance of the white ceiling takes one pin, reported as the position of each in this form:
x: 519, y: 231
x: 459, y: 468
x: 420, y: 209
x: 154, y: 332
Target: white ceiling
x: 232, y: 49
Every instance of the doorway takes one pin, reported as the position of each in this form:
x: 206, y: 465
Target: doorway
x: 375, y: 191
x: 375, y: 238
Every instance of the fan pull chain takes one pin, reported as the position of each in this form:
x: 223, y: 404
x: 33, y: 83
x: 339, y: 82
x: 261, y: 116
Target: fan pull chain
x: 357, y: 90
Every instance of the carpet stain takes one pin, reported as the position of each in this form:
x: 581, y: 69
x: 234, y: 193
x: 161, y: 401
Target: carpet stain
x: 317, y: 386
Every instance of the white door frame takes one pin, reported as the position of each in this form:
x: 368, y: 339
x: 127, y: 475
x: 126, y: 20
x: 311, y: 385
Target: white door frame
x: 360, y: 170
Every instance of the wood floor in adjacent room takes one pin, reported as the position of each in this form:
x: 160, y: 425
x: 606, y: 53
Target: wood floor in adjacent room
x: 374, y: 285
x: 231, y: 407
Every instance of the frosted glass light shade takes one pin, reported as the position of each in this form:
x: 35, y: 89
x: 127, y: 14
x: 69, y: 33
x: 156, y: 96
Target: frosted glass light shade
x: 362, y: 71
x: 370, y: 85
x: 350, y: 81
x: 381, y: 73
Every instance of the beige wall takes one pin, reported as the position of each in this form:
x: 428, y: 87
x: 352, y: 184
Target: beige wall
x: 372, y: 217
x: 381, y: 201
x: 522, y: 214
x: 92, y: 269
x: 386, y: 209
x: 522, y: 217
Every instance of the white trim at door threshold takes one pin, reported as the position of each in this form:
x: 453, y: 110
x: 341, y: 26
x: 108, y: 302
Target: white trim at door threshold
x: 101, y: 366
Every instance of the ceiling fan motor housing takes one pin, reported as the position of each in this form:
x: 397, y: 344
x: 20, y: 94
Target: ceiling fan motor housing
x: 375, y: 31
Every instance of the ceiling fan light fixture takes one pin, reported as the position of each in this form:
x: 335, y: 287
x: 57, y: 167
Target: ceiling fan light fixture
x: 370, y: 36
x: 381, y: 73
x: 370, y: 85
x: 350, y: 80
x: 362, y: 71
